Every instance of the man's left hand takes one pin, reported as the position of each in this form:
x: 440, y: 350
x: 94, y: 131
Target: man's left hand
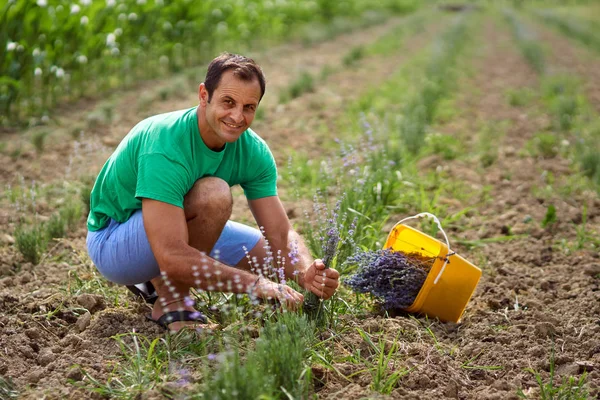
x: 320, y: 280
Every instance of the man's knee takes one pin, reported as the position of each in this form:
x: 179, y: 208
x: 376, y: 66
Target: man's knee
x: 209, y: 196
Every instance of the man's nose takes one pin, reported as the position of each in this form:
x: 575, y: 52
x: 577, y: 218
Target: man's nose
x: 237, y: 114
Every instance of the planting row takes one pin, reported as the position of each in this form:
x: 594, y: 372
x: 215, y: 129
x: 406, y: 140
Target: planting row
x: 573, y: 119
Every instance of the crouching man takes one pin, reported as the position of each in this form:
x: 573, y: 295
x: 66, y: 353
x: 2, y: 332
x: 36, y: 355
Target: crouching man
x: 161, y: 204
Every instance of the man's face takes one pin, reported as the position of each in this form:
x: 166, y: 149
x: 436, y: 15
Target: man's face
x: 231, y: 109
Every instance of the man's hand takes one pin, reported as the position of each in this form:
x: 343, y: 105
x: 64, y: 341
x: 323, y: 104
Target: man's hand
x: 288, y: 297
x: 320, y: 280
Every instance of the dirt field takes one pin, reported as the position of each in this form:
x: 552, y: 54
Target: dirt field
x: 537, y: 294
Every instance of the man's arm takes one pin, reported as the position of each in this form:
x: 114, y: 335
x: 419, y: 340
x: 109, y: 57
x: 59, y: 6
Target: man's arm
x: 167, y: 232
x: 311, y: 275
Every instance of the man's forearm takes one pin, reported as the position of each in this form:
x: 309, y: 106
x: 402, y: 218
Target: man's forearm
x: 187, y: 266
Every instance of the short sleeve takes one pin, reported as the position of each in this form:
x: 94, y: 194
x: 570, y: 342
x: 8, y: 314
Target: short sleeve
x: 160, y: 178
x: 264, y: 182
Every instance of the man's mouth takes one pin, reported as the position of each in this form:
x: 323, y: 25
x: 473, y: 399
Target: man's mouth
x: 232, y: 125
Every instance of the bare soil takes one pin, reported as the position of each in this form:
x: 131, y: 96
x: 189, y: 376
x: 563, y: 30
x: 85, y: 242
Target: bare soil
x: 533, y: 296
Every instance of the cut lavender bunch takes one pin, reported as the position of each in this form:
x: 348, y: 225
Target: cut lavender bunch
x: 392, y: 277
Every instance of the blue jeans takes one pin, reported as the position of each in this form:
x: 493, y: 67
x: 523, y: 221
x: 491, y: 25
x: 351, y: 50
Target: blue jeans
x: 122, y: 253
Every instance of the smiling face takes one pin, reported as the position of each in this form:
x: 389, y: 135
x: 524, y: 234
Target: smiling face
x: 229, y: 112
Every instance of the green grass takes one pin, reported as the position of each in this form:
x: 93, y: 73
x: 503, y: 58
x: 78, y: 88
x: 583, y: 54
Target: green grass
x: 571, y: 388
x: 304, y: 83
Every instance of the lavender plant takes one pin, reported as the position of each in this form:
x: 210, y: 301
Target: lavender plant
x: 392, y: 277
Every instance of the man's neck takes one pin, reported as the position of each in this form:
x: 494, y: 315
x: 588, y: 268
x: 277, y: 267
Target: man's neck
x: 205, y: 129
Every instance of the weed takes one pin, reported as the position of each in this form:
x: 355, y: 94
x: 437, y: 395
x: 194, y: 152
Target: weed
x: 469, y: 363
x: 7, y: 389
x: 140, y: 370
x: 571, y: 388
x: 31, y: 242
x: 108, y: 112
x: 163, y: 94
x: 590, y: 164
x: 303, y: 84
x: 55, y: 227
x: 353, y: 56
x: 95, y: 119
x: 550, y: 217
x: 545, y: 144
x: 488, y: 151
x: 86, y: 192
x: 383, y: 369
x: 16, y: 152
x: 565, y: 109
x: 71, y: 213
x: 585, y: 236
x: 444, y: 145
x: 519, y: 97
x: 39, y: 140
x: 326, y: 71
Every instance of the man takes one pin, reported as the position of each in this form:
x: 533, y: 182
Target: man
x: 161, y: 204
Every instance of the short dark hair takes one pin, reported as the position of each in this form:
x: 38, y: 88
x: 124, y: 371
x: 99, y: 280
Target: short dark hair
x: 243, y: 67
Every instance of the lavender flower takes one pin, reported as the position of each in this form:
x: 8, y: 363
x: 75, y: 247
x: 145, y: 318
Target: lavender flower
x: 392, y: 277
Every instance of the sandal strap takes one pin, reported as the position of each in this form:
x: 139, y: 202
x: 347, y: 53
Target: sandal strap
x: 174, y: 316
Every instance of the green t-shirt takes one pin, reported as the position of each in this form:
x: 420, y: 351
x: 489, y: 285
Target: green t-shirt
x: 162, y: 157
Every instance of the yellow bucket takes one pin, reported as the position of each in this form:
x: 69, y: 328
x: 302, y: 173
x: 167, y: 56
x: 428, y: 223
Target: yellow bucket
x: 451, y: 280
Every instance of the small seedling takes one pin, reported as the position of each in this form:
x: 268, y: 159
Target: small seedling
x: 550, y: 217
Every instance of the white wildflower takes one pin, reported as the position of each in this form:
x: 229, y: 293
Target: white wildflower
x: 141, y: 2
x: 84, y: 20
x: 11, y: 46
x: 38, y: 71
x: 115, y: 51
x: 36, y: 52
x: 122, y: 17
x: 86, y: 2
x: 60, y: 73
x: 82, y: 59
x: 118, y: 32
x: 110, y: 3
x: 132, y: 16
x: 42, y: 3
x: 75, y: 8
x: 111, y: 39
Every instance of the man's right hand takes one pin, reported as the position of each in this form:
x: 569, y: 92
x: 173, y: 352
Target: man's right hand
x: 288, y: 297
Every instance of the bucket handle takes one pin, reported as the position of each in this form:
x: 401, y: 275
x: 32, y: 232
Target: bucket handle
x: 438, y: 223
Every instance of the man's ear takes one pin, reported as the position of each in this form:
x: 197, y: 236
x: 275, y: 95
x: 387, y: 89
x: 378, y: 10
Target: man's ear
x: 202, y: 94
